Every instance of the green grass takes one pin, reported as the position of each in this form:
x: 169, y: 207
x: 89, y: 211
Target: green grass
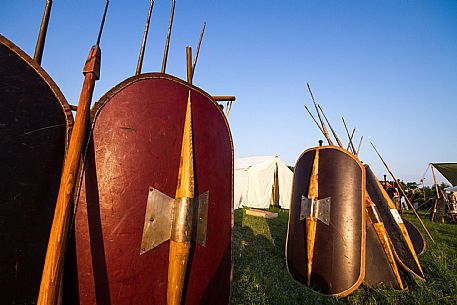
x: 261, y: 276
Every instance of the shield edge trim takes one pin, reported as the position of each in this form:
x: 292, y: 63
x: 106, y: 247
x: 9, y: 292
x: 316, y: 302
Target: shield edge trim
x: 363, y: 243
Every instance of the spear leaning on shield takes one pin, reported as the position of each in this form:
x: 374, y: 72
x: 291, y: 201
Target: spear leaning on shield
x: 51, y: 280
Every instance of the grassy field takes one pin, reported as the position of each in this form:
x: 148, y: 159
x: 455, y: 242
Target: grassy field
x: 261, y: 276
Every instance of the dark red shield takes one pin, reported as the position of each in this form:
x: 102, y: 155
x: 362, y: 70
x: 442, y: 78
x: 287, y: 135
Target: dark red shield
x: 339, y: 253
x: 136, y: 143
x: 34, y: 124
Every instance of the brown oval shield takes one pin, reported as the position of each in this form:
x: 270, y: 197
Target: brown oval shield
x: 34, y: 123
x: 338, y: 259
x: 134, y: 150
x: 403, y: 247
x: 379, y: 272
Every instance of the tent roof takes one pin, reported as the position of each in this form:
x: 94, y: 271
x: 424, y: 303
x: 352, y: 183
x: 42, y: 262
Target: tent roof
x: 448, y: 170
x: 245, y: 163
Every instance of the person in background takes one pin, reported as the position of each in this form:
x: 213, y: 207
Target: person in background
x: 396, y: 199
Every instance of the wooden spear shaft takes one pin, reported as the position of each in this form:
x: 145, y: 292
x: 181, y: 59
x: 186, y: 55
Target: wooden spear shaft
x: 324, y: 129
x: 190, y: 71
x: 145, y: 37
x: 403, y: 192
x: 42, y: 34
x: 51, y: 279
x: 331, y: 128
x: 53, y: 266
x: 318, y: 126
x: 167, y: 43
x: 198, y: 48
x: 349, y: 136
x: 358, y: 147
x: 350, y: 140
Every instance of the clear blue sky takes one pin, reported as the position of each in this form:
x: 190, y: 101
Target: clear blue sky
x: 388, y: 67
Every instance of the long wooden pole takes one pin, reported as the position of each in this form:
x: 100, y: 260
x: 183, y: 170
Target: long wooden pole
x: 189, y: 65
x: 435, y: 183
x: 349, y: 136
x: 350, y: 140
x: 403, y: 192
x: 358, y: 147
x: 42, y: 34
x: 318, y: 126
x: 167, y: 43
x: 54, y: 261
x: 437, y: 196
x: 145, y: 37
x: 329, y: 140
x: 198, y: 48
x: 331, y: 128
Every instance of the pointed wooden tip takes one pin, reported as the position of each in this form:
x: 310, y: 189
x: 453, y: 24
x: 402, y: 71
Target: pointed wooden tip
x: 185, y: 187
x: 311, y: 224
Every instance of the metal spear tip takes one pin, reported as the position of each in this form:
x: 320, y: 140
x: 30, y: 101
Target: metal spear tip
x: 102, y: 23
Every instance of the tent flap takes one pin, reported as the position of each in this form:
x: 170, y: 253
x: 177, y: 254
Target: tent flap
x: 448, y: 170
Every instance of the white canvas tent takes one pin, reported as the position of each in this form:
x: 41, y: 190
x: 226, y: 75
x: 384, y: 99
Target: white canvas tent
x: 259, y: 179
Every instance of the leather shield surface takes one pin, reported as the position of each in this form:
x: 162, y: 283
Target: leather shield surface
x: 401, y: 249
x: 34, y: 123
x: 378, y: 271
x: 339, y: 251
x: 137, y: 132
x: 416, y: 236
